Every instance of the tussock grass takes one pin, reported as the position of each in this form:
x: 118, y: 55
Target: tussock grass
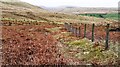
x: 90, y: 54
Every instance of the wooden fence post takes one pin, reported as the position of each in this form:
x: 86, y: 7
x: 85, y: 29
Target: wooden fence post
x: 76, y: 32
x: 10, y: 23
x: 93, y: 32
x: 107, y: 37
x: 67, y: 27
x: 70, y: 27
x: 85, y: 31
x: 79, y: 31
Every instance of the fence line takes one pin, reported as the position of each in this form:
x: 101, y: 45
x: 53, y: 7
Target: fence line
x: 85, y: 30
x: 77, y: 32
x: 93, y: 32
x: 107, y: 36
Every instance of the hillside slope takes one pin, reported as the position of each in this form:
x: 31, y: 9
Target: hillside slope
x: 17, y: 10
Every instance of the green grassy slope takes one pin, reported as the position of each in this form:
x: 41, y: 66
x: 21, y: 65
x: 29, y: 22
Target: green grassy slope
x: 113, y: 16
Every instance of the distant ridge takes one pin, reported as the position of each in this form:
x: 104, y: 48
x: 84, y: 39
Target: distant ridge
x: 79, y: 10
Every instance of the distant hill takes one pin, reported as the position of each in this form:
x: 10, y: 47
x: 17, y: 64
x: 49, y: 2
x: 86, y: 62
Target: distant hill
x: 80, y: 10
x: 18, y: 10
x: 15, y: 4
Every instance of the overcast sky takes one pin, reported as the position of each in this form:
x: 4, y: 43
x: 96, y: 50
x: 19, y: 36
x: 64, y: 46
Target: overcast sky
x: 79, y: 3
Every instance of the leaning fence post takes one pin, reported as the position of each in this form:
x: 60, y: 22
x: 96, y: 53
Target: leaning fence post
x: 107, y: 37
x: 93, y: 32
x: 85, y: 30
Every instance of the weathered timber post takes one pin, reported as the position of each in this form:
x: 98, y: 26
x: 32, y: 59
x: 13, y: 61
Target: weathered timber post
x: 70, y: 27
x: 107, y: 37
x: 10, y: 23
x: 85, y: 30
x: 79, y: 30
x: 67, y: 26
x: 93, y: 32
x: 76, y: 31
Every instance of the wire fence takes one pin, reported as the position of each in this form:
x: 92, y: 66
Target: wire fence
x: 92, y: 32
